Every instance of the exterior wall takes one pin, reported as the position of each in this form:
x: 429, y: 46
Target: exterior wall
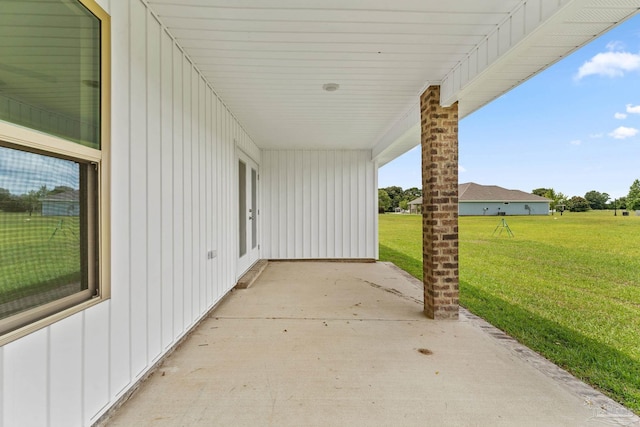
x: 512, y: 208
x: 319, y: 204
x: 173, y: 156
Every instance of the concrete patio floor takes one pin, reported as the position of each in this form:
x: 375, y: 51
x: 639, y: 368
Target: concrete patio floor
x: 346, y: 344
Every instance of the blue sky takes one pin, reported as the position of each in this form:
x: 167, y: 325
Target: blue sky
x: 574, y: 127
x: 21, y: 172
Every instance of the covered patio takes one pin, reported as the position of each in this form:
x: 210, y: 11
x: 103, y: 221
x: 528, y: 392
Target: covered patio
x: 329, y: 344
x: 237, y: 130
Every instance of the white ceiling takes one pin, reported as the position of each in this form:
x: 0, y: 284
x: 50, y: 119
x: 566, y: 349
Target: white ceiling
x: 268, y: 59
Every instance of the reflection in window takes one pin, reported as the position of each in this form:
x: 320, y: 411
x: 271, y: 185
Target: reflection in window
x: 43, y: 223
x: 50, y: 69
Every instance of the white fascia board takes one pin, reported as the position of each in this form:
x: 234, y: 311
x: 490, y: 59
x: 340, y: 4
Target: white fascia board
x: 517, y: 32
x: 402, y: 137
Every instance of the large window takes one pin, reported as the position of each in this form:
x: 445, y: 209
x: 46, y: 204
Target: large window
x: 54, y: 140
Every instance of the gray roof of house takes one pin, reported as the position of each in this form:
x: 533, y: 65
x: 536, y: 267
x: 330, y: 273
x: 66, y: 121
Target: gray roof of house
x: 472, y: 192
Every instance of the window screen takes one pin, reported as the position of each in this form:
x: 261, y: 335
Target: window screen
x: 45, y: 227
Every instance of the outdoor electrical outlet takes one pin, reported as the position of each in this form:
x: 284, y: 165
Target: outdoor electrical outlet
x: 212, y: 254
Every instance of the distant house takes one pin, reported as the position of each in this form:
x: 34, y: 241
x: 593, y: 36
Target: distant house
x: 476, y: 199
x: 415, y: 206
x: 62, y: 204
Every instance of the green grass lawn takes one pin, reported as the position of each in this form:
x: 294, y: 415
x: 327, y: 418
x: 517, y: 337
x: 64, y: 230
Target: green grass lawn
x: 566, y: 286
x: 33, y: 258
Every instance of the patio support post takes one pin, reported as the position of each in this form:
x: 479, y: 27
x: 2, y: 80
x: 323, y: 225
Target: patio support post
x: 439, y: 126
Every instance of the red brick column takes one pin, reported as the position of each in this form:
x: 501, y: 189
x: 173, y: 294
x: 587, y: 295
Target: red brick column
x: 439, y: 205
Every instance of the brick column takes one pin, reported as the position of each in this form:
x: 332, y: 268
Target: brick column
x: 439, y: 205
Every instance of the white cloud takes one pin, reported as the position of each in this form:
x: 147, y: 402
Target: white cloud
x: 575, y: 142
x: 461, y: 169
x: 620, y: 116
x: 615, y: 45
x: 633, y: 109
x: 596, y: 135
x: 623, y: 132
x: 610, y: 64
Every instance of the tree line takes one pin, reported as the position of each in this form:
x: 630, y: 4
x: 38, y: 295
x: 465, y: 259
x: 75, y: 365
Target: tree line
x: 391, y: 199
x: 592, y: 200
x: 28, y: 202
x: 394, y: 198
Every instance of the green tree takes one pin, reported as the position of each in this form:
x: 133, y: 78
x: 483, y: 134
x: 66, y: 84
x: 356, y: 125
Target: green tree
x: 396, y: 194
x: 384, y: 201
x: 633, y: 198
x: 578, y: 204
x: 557, y: 200
x: 404, y: 205
x: 4, y: 194
x: 31, y: 201
x: 620, y: 203
x: 542, y: 191
x: 596, y: 199
x: 410, y: 194
x: 15, y: 204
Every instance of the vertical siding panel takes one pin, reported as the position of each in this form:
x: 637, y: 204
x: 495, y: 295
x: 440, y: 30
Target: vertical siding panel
x: 331, y: 206
x: 274, y: 205
x: 265, y: 213
x: 231, y: 214
x: 25, y: 381
x: 348, y: 202
x: 65, y: 373
x: 167, y: 190
x: 227, y: 207
x: 363, y: 211
x: 187, y: 188
x: 96, y: 357
x: 154, y: 228
x: 372, y: 208
x: 338, y: 204
x: 195, y: 195
x: 309, y: 193
x: 220, y: 226
x: 354, y: 204
x: 138, y: 173
x: 290, y: 204
x: 229, y: 166
x: 120, y: 200
x: 322, y: 204
x: 274, y: 211
x: 298, y: 203
x: 178, y: 193
x: 282, y: 206
x: 202, y: 196
x: 208, y: 189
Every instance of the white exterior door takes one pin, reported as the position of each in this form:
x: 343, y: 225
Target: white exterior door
x: 248, y: 248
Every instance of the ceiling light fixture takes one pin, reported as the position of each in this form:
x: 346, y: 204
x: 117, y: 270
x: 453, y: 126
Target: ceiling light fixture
x: 330, y: 87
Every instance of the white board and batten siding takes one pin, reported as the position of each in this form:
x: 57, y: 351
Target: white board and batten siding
x: 319, y: 204
x: 173, y: 155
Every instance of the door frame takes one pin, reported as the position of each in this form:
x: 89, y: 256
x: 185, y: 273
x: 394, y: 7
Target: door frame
x: 252, y: 255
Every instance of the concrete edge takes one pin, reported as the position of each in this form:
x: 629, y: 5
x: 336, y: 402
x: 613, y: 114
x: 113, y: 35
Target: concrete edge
x: 603, y: 406
x: 248, y: 278
x: 347, y: 260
